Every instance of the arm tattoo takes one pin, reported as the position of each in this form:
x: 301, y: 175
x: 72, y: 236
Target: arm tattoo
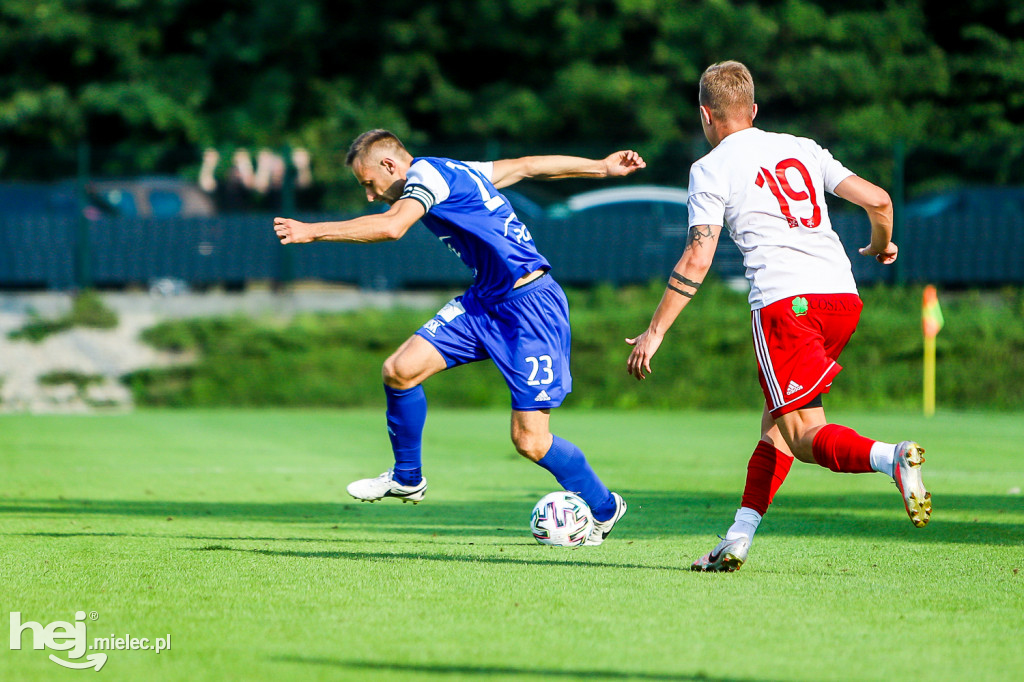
x: 684, y: 280
x: 698, y: 234
x: 687, y: 294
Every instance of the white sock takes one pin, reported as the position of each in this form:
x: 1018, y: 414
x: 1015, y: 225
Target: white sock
x: 744, y: 524
x: 883, y: 458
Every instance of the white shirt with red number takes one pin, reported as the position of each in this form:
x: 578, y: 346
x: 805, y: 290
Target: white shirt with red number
x: 769, y: 189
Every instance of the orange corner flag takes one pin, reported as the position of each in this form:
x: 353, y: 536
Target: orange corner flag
x: 931, y: 313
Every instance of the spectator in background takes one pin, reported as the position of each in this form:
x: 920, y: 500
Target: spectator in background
x: 252, y: 187
x: 270, y: 170
x: 302, y: 162
x: 234, y: 193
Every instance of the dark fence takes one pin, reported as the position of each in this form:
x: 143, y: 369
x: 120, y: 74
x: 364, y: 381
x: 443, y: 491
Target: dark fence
x: 41, y: 252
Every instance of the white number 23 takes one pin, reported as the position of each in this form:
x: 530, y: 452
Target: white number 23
x: 540, y: 365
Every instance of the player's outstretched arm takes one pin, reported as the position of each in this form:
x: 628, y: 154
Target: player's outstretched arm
x: 377, y: 227
x: 876, y: 202
x: 510, y: 171
x: 682, y: 285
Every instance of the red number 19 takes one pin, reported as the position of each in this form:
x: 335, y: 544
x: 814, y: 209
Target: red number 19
x: 780, y: 187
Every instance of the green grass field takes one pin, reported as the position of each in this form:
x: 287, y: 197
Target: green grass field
x: 231, y: 531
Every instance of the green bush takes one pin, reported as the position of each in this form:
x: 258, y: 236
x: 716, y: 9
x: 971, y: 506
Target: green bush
x: 87, y: 310
x: 37, y: 329
x: 707, y: 360
x: 77, y: 379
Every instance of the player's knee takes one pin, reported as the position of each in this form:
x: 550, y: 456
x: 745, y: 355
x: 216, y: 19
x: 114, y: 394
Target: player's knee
x: 530, y: 445
x: 393, y: 376
x: 802, y: 446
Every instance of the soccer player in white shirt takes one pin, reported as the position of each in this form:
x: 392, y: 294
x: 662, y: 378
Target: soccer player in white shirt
x: 769, y: 189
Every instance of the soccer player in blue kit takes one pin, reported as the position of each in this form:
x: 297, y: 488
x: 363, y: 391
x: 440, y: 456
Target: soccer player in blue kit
x: 514, y: 313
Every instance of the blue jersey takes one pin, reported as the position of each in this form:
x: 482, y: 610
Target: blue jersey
x: 472, y: 219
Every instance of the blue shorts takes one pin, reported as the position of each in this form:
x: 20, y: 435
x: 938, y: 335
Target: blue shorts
x: 526, y: 334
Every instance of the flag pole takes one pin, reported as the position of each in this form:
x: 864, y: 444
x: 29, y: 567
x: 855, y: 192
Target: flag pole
x: 931, y: 323
x: 929, y: 376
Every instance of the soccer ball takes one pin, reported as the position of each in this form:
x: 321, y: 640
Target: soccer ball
x: 562, y: 519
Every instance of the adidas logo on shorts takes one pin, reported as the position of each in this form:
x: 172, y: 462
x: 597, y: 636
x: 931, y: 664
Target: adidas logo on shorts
x: 793, y: 388
x: 542, y: 396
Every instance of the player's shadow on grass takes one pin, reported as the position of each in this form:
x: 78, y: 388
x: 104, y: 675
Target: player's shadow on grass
x: 652, y: 514
x: 462, y: 519
x: 877, y: 515
x: 370, y: 667
x: 575, y: 559
x: 173, y: 536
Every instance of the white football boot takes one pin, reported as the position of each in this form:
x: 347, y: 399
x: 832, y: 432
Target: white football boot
x: 603, y: 528
x: 373, y: 489
x: 917, y: 500
x: 727, y: 557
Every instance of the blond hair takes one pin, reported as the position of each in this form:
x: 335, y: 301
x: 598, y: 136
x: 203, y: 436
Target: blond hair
x: 727, y: 89
x: 371, y: 140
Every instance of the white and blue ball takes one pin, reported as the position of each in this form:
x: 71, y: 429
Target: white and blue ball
x: 561, y: 519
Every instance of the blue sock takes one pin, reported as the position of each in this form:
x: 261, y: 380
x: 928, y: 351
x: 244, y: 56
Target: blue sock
x: 569, y: 466
x: 406, y: 415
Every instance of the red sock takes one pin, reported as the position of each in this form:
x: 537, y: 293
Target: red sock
x: 842, y: 449
x: 766, y: 471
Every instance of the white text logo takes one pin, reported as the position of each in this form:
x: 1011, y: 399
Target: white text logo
x: 73, y: 638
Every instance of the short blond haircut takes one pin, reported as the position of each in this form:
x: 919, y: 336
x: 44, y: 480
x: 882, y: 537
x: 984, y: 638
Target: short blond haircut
x: 371, y: 140
x: 727, y: 89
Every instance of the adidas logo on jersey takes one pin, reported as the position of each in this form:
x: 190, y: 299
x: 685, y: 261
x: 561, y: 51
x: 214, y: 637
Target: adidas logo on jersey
x: 793, y: 388
x: 542, y: 396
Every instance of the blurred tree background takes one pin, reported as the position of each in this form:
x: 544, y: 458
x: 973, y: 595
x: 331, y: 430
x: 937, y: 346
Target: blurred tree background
x: 153, y: 82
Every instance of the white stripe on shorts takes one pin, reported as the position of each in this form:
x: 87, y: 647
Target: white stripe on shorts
x: 765, y: 360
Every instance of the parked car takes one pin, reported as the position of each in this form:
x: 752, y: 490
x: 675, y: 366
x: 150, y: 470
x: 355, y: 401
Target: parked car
x: 651, y: 220
x: 526, y: 208
x: 968, y: 201
x: 150, y: 197
x: 35, y: 198
x: 662, y: 203
x: 156, y: 197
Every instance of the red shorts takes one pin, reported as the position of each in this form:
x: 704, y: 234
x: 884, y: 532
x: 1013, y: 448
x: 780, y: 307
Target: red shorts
x: 797, y: 341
